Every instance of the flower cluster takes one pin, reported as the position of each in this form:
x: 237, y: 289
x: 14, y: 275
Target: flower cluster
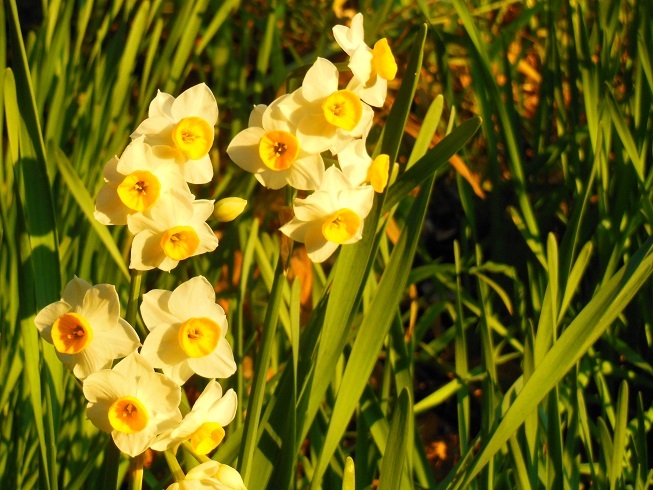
x: 147, y: 187
x: 137, y: 400
x: 284, y: 142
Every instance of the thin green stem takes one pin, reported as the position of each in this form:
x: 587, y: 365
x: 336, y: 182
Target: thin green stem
x: 110, y: 466
x: 132, y: 305
x: 258, y: 386
x: 199, y: 457
x: 136, y: 472
x: 173, y: 464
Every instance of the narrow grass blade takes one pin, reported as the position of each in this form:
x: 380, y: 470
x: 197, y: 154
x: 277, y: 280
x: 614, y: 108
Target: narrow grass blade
x: 395, y: 454
x: 620, y: 435
x: 588, y: 326
x: 87, y: 205
x: 250, y: 437
x: 373, y: 330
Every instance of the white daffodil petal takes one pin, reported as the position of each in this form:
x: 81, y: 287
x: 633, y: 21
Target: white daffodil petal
x: 219, y: 364
x: 359, y: 199
x: 292, y: 107
x: 179, y: 373
x: 320, y: 81
x: 313, y: 207
x: 319, y: 248
x: 133, y: 444
x: 256, y: 116
x: 297, y: 229
x: 47, y: 316
x: 161, y: 393
x: 198, y: 171
x: 224, y: 410
x: 75, y: 290
x: 146, y: 251
x: 273, y: 118
x: 203, y: 209
x: 105, y: 386
x: 122, y: 339
x: 208, y: 240
x: 315, y: 133
x: 161, y: 346
x: 307, y: 172
x: 244, y: 150
x: 197, y: 101
x: 160, y: 105
x: 350, y: 38
x: 157, y: 131
x: 211, y: 393
x: 197, y: 290
x: 154, y: 309
x: 273, y: 179
x: 101, y: 306
x: 110, y: 172
x: 109, y: 209
x: 360, y: 63
x: 95, y: 357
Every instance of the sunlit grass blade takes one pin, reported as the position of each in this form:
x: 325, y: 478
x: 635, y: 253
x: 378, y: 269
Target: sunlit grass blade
x: 395, y: 455
x: 373, y: 329
x: 87, y: 205
x: 588, y: 326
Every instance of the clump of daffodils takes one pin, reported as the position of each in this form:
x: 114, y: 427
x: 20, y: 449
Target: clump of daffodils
x: 285, y: 142
x: 137, y: 400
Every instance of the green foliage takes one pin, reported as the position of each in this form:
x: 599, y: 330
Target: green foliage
x: 492, y: 328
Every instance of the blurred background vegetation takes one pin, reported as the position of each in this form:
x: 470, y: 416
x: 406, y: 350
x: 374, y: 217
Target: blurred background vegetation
x: 526, y: 226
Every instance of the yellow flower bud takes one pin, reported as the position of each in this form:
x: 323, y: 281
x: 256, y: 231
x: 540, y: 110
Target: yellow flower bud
x: 229, y: 208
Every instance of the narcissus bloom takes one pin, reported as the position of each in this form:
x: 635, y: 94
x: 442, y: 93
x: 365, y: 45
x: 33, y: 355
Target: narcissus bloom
x: 132, y: 403
x: 173, y: 230
x: 185, y: 124
x: 187, y: 332
x: 359, y: 167
x: 210, y: 475
x: 326, y: 118
x: 331, y: 216
x: 204, y: 425
x: 271, y: 149
x: 135, y: 182
x: 86, y: 329
x: 372, y: 68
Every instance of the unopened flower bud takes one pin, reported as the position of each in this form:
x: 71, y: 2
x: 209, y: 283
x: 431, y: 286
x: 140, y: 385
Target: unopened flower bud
x: 229, y: 208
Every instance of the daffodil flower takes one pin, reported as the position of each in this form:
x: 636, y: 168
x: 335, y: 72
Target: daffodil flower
x: 372, y: 68
x: 204, y: 424
x: 86, y: 329
x: 173, y: 230
x: 271, y: 150
x: 326, y: 118
x: 187, y: 332
x: 132, y: 403
x: 210, y: 475
x: 359, y: 167
x: 185, y: 124
x: 333, y: 215
x: 135, y: 181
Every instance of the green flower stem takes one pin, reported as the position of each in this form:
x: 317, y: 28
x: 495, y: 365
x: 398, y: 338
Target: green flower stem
x: 258, y: 385
x: 173, y: 464
x: 202, y: 458
x: 136, y: 472
x: 110, y: 466
x: 132, y: 305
